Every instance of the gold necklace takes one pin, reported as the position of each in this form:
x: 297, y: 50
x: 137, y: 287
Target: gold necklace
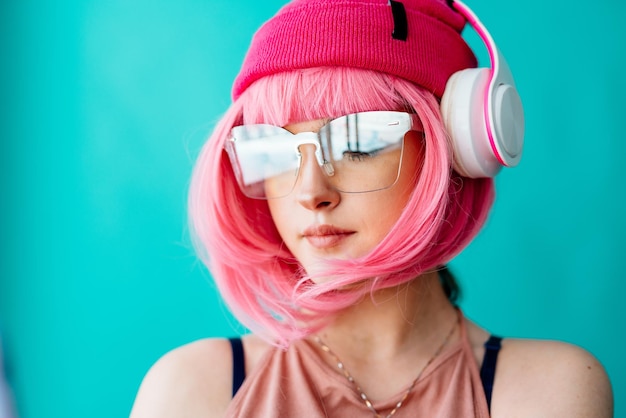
x: 362, y: 394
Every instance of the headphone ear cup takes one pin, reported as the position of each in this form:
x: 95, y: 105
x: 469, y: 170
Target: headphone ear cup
x: 508, y: 123
x: 462, y: 110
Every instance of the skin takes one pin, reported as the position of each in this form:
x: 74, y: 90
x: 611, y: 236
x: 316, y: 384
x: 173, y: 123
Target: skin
x: 382, y: 343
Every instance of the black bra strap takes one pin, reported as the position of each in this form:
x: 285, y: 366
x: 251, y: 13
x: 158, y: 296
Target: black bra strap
x: 488, y: 369
x: 239, y: 364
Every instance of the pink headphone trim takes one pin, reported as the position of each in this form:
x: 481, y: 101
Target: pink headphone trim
x: 493, y: 69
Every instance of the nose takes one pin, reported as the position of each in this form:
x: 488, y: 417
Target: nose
x: 313, y: 189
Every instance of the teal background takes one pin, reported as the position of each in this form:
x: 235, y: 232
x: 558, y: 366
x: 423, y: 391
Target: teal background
x: 105, y: 104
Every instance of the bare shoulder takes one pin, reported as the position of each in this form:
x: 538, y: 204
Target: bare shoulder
x: 549, y: 379
x: 190, y: 381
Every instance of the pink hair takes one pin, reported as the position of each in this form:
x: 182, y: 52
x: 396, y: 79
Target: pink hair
x: 259, y: 279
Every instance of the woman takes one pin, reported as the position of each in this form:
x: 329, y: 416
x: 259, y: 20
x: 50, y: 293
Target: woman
x: 326, y: 204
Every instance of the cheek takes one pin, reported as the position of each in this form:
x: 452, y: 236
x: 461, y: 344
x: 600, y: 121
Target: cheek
x: 412, y: 162
x: 395, y: 199
x: 284, y: 220
x: 386, y: 214
x: 412, y: 159
x: 278, y: 214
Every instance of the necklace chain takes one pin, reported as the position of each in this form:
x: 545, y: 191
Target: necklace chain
x: 360, y: 391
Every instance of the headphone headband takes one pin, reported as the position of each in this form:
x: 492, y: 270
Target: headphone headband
x: 483, y: 111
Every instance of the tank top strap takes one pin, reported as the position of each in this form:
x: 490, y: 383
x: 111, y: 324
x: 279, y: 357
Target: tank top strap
x: 239, y: 363
x: 488, y: 368
x: 490, y: 358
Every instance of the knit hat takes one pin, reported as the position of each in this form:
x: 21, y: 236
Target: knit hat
x: 358, y: 33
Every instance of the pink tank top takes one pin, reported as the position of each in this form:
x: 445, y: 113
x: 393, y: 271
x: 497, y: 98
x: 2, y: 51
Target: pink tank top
x: 297, y: 383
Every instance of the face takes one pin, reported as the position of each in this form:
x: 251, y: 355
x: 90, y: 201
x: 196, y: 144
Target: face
x: 317, y: 222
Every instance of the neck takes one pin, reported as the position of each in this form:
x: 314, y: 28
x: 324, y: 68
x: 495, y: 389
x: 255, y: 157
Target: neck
x: 411, y: 318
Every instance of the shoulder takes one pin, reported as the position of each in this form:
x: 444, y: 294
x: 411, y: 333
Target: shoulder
x: 549, y: 379
x: 192, y: 380
x: 195, y: 379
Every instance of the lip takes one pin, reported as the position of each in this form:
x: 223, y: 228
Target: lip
x: 325, y: 236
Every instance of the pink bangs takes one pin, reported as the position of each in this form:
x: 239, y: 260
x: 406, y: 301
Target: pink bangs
x: 316, y: 93
x: 259, y: 279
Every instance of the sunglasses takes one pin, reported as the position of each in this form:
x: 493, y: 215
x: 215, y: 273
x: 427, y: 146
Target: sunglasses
x: 360, y: 152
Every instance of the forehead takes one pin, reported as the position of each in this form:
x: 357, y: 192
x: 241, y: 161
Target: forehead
x: 306, y: 126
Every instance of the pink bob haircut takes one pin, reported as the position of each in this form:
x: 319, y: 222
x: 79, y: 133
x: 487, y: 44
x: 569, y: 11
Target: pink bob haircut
x: 260, y: 280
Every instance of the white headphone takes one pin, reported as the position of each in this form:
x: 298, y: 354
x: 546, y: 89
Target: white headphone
x: 482, y: 112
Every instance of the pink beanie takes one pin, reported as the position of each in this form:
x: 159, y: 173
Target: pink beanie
x: 427, y: 47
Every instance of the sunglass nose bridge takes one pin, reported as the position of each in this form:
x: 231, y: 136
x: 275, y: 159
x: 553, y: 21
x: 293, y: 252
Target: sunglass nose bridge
x: 313, y: 138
